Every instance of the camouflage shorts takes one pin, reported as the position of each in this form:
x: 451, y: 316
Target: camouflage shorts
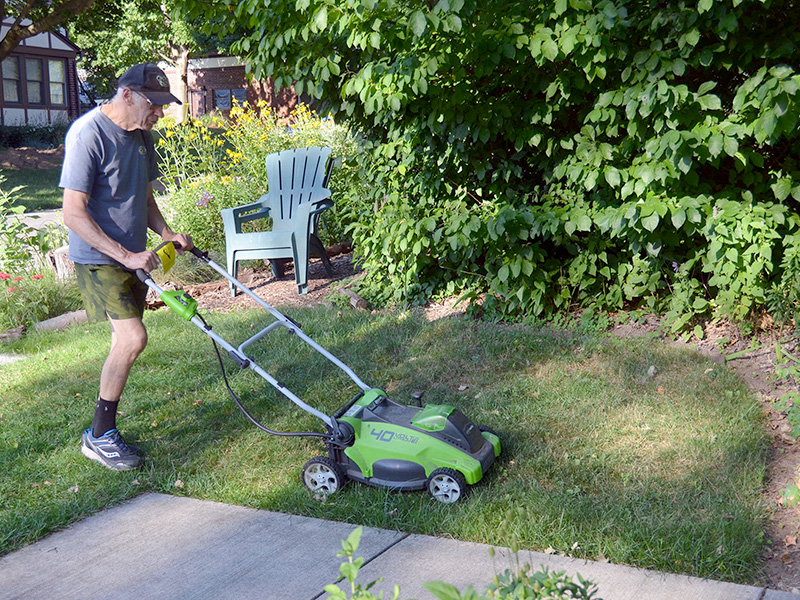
x: 110, y: 291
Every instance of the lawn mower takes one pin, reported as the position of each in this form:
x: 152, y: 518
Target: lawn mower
x: 372, y: 438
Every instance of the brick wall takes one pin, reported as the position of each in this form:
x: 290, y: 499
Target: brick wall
x: 210, y: 89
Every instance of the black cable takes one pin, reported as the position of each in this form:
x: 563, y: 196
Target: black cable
x: 238, y: 403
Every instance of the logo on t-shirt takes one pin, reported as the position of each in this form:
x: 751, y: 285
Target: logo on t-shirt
x: 142, y: 150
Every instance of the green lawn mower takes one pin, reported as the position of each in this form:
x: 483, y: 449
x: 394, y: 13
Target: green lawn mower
x: 372, y: 439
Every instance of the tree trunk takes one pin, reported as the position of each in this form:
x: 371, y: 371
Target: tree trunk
x: 181, y: 62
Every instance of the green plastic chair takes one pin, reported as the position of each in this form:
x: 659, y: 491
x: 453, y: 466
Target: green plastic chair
x: 297, y: 195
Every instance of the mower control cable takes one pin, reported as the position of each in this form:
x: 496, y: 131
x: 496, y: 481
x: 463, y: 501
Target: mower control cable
x: 252, y: 419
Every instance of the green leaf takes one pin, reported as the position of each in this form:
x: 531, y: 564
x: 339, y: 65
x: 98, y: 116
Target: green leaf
x: 731, y: 145
x: 321, y: 18
x: 417, y: 22
x: 715, y: 144
x: 678, y: 218
x: 612, y: 176
x: 704, y: 6
x: 549, y: 49
x: 442, y: 590
x: 350, y: 545
x: 503, y: 273
x: 782, y: 189
x: 650, y: 222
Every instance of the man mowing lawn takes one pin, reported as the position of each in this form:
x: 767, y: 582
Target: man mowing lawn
x: 107, y: 177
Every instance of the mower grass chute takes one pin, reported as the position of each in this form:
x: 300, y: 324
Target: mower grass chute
x: 372, y: 439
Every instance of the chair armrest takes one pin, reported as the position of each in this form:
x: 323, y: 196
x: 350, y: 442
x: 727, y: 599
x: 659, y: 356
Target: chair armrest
x: 234, y: 217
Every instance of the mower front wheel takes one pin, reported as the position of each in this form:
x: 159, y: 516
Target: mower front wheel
x: 323, y: 475
x: 447, y: 485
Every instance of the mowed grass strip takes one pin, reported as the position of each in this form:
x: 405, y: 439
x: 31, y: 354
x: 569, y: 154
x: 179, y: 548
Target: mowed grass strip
x: 633, y: 451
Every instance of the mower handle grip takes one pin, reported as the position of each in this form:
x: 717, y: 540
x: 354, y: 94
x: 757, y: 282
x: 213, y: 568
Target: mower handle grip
x: 196, y: 251
x: 144, y: 275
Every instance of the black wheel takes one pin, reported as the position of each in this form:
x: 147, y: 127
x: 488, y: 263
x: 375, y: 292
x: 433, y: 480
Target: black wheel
x: 447, y: 485
x: 487, y: 430
x: 322, y: 475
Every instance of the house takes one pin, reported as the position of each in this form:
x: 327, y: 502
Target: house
x: 215, y: 83
x: 40, y: 81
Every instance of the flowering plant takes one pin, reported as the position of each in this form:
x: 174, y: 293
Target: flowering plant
x: 28, y: 298
x: 221, y: 164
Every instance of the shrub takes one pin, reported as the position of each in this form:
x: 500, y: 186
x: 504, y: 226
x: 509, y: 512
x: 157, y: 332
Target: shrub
x: 21, y: 246
x: 35, y: 136
x: 598, y: 154
x: 195, y: 206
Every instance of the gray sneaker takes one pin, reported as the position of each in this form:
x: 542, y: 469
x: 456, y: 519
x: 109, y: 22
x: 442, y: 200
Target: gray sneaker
x: 110, y: 450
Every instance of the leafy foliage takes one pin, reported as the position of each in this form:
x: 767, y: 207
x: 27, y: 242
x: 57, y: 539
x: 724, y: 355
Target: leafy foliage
x: 554, y: 154
x: 120, y: 33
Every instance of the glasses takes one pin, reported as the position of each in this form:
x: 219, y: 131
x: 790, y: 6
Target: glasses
x: 150, y: 104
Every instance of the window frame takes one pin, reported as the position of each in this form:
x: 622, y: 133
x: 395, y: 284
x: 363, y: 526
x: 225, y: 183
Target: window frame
x: 18, y: 81
x: 42, y: 102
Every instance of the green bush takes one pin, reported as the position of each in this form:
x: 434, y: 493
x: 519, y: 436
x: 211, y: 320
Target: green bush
x: 552, y: 155
x: 35, y: 136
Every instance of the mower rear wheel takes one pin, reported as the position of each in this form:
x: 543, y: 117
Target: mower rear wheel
x: 323, y: 475
x: 447, y: 485
x: 483, y: 428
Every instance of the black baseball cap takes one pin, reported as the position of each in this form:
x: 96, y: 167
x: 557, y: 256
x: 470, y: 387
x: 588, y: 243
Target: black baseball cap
x: 150, y: 81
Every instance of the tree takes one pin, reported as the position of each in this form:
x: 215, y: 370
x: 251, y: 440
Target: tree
x: 36, y: 16
x: 136, y: 31
x: 559, y: 153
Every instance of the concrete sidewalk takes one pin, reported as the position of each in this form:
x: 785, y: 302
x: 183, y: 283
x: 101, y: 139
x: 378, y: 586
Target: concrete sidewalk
x: 160, y: 546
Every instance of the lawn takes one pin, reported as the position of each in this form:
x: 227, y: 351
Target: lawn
x: 41, y: 187
x: 601, y: 459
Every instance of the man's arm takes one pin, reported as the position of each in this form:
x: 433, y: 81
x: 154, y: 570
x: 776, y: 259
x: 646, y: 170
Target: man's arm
x: 156, y: 222
x: 77, y: 218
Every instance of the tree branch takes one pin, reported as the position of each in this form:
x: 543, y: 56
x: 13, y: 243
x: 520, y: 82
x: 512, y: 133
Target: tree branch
x: 58, y: 15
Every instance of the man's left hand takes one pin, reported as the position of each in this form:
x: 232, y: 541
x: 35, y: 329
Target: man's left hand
x: 183, y: 241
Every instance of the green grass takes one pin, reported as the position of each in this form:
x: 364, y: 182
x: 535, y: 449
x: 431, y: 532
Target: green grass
x: 41, y: 187
x: 602, y: 460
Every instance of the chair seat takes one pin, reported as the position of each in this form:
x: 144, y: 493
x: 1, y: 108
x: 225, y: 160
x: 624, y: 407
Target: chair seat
x: 297, y: 195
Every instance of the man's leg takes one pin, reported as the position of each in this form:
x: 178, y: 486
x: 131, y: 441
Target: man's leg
x: 114, y: 294
x: 128, y: 339
x: 102, y: 442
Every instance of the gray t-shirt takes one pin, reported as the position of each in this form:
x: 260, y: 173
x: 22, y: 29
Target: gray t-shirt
x: 114, y: 167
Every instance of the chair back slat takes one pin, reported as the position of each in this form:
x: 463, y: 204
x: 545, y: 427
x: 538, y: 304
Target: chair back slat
x: 294, y: 176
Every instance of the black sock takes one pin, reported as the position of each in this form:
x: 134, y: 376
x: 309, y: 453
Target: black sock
x: 105, y: 417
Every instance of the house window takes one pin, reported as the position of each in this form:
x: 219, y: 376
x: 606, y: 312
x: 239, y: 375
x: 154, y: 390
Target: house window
x: 222, y: 98
x: 34, y: 73
x: 11, y: 80
x: 58, y: 82
x: 240, y: 96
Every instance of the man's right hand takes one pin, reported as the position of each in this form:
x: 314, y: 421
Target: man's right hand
x: 147, y: 261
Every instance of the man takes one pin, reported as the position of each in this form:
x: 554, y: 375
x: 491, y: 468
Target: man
x: 107, y: 177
